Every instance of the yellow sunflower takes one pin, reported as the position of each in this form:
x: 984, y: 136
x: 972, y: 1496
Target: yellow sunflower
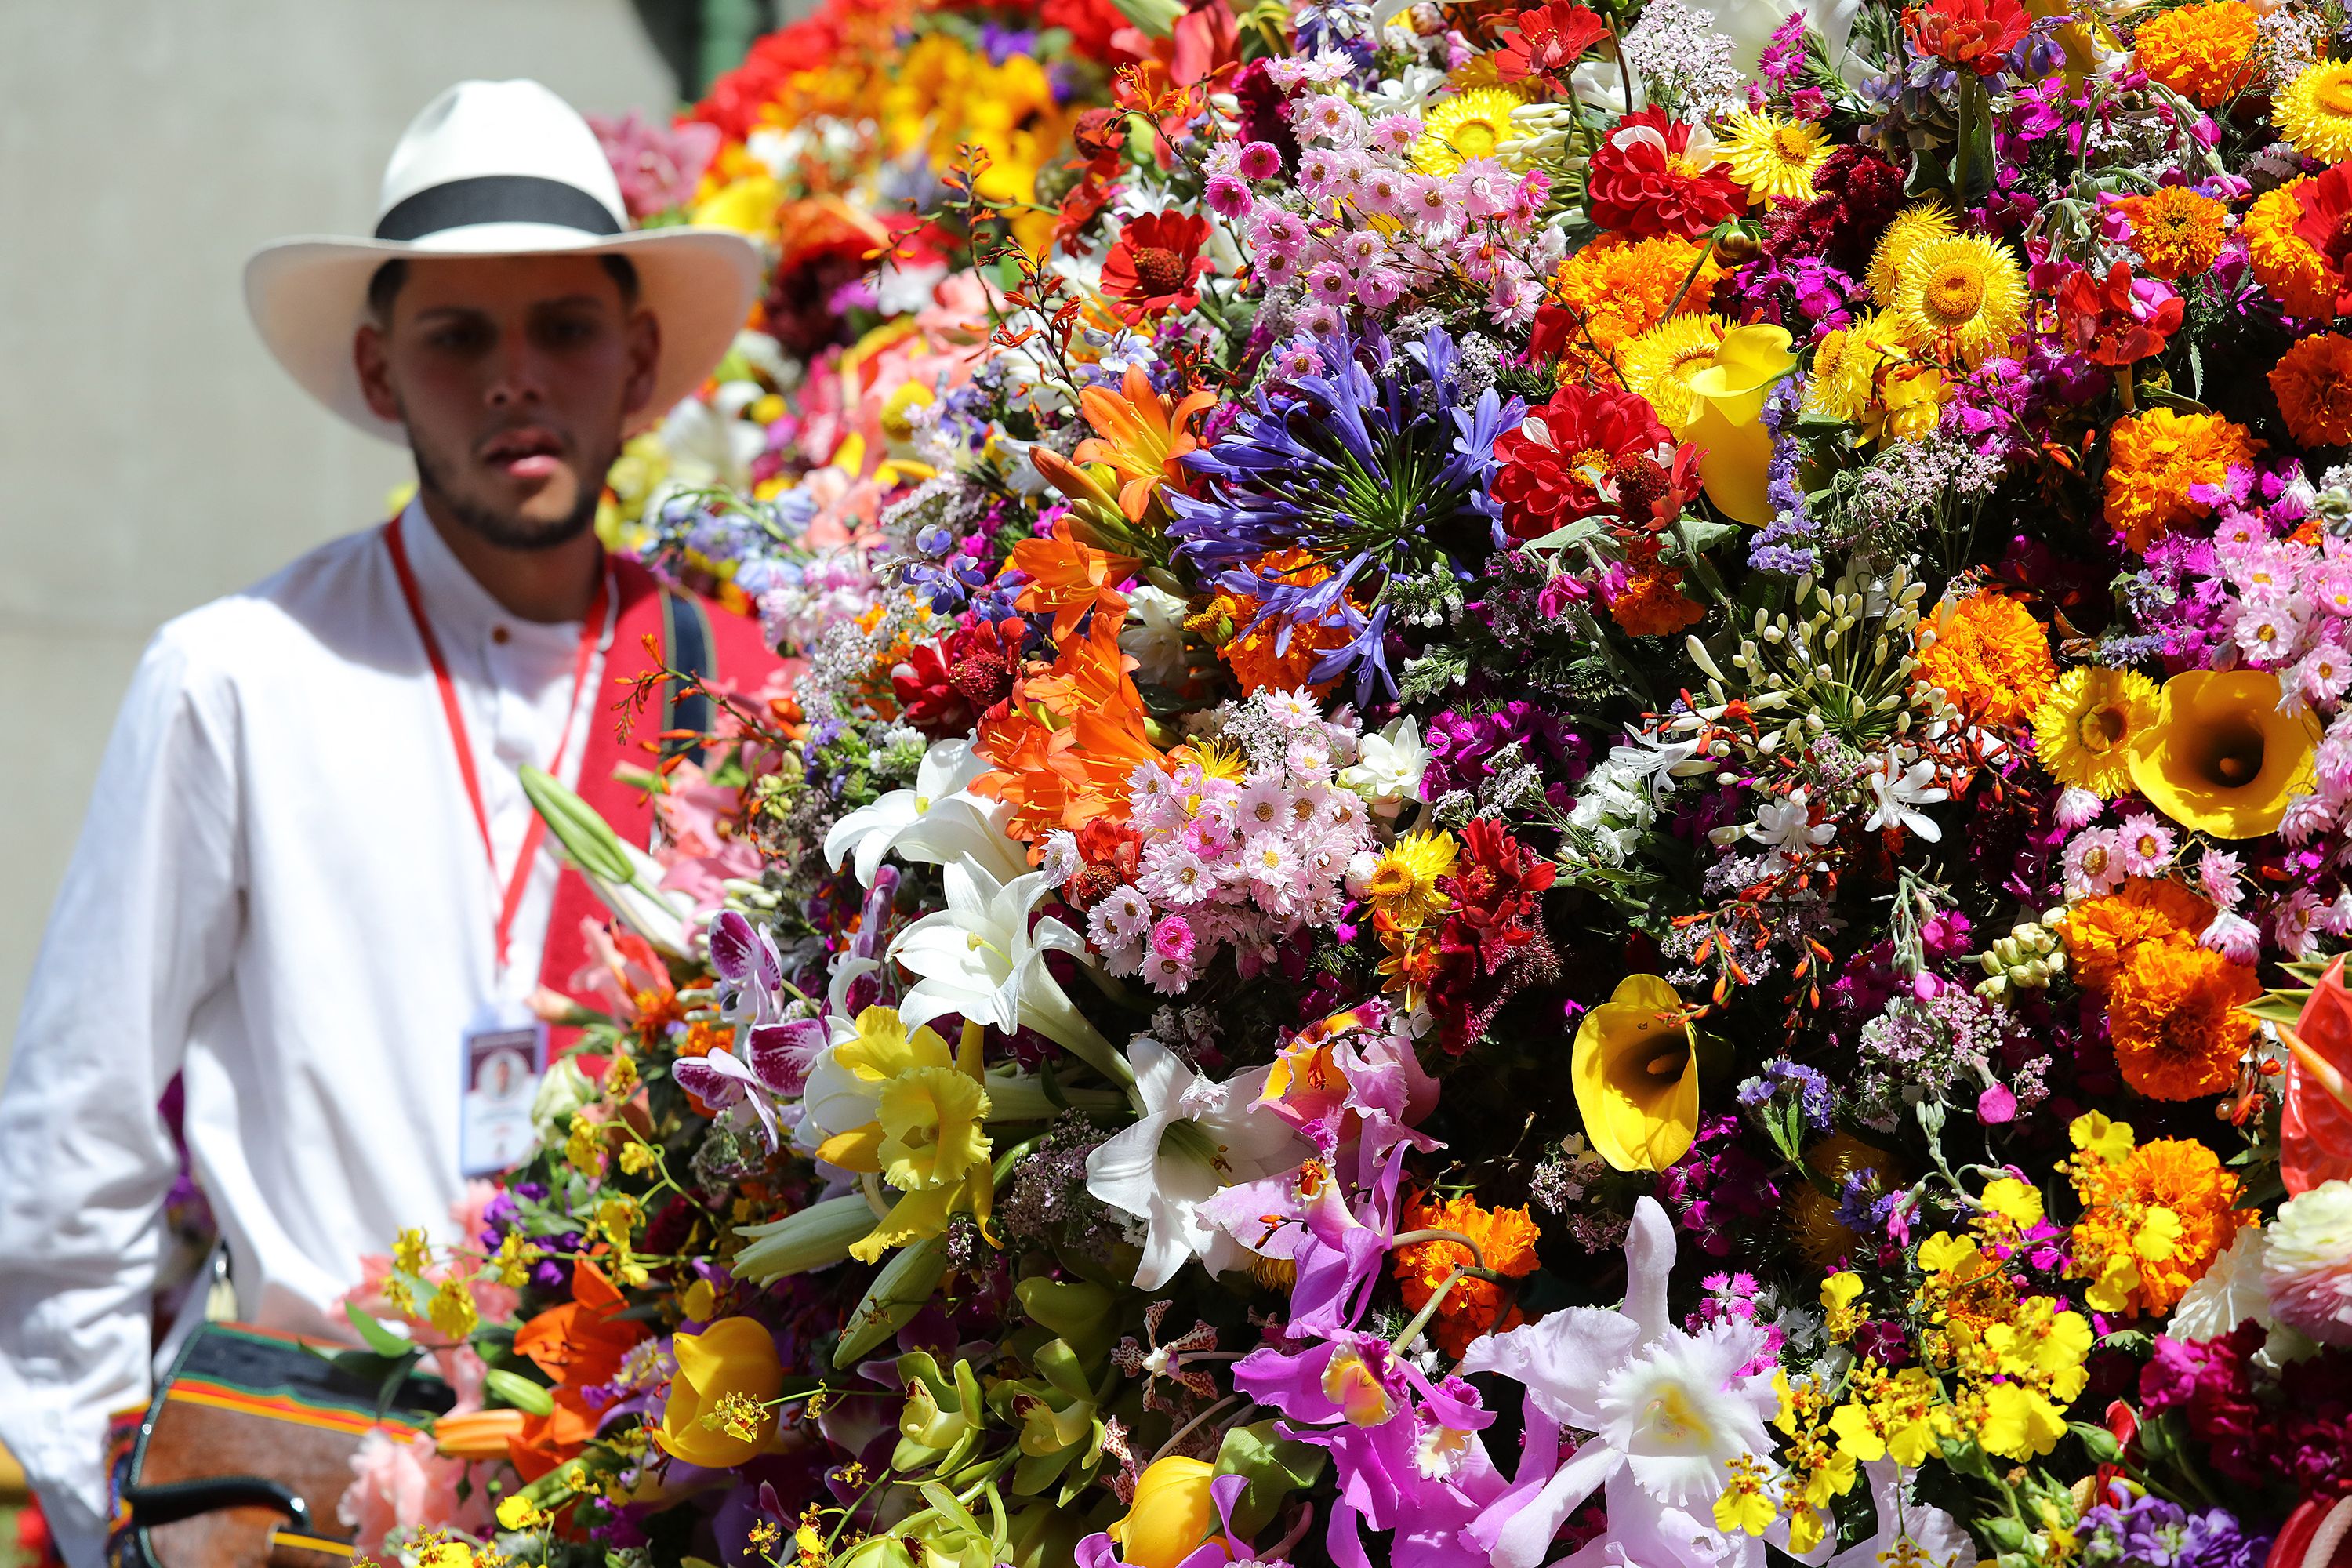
x: 1468, y: 125
x: 1961, y: 298
x: 2315, y: 112
x: 2084, y: 729
x: 1773, y: 158
x: 1912, y: 228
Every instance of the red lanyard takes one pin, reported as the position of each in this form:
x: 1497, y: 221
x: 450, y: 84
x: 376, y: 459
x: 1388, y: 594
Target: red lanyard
x: 591, y: 632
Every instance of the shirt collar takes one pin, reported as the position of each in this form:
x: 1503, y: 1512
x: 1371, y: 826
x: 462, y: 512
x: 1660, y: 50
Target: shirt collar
x: 462, y: 609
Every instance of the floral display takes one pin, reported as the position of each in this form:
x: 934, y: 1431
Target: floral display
x: 1555, y: 785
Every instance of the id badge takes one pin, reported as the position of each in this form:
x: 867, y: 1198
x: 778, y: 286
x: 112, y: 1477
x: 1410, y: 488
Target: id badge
x: 502, y: 1058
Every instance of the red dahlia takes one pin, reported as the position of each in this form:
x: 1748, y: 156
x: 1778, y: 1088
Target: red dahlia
x: 1569, y: 457
x: 1644, y: 181
x: 1972, y: 35
x: 943, y: 687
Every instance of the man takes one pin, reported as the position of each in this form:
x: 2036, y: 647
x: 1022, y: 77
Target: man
x: 311, y: 885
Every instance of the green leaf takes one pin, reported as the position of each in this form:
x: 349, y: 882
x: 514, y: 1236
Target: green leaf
x: 897, y: 1293
x: 379, y: 1339
x: 513, y: 1388
x: 1273, y: 1466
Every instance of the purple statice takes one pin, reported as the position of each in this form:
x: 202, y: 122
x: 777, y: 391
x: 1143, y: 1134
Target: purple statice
x: 1802, y: 1086
x: 1376, y: 468
x: 2147, y: 1531
x: 1783, y: 544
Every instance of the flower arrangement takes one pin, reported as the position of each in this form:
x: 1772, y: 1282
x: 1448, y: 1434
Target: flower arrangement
x: 1559, y: 786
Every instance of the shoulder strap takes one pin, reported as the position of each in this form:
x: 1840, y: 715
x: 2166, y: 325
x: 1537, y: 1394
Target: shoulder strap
x: 685, y: 634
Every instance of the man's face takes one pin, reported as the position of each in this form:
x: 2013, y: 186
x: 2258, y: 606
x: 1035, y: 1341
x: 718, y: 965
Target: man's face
x: 515, y: 377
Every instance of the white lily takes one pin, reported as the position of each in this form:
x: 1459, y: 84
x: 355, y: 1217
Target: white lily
x: 938, y: 822
x: 1388, y: 767
x: 1668, y: 1412
x: 1196, y: 1138
x: 624, y: 876
x: 979, y: 957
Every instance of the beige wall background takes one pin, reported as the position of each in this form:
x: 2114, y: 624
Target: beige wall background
x: 151, y: 455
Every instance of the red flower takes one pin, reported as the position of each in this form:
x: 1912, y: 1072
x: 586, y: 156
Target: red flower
x: 1974, y: 34
x: 1644, y: 182
x: 1154, y: 265
x: 1568, y: 458
x: 2327, y: 227
x: 2112, y: 322
x: 943, y: 687
x: 1493, y: 943
x: 1551, y: 40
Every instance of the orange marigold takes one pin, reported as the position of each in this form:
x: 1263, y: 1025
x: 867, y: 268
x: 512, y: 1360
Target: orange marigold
x: 2102, y: 933
x: 2176, y: 231
x: 1990, y: 656
x: 2283, y: 261
x: 1253, y: 657
x: 2313, y: 383
x: 2202, y: 52
x: 2154, y: 457
x: 2154, y: 1221
x: 2173, y: 1015
x: 1507, y: 1237
x: 1653, y: 604
x: 1616, y: 288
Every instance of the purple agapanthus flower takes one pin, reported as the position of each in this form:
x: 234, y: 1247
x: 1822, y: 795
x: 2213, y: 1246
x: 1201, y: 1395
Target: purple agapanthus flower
x: 1380, y: 467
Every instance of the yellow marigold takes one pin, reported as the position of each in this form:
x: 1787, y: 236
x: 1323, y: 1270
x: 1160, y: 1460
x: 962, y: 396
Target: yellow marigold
x: 2084, y: 729
x: 1961, y: 297
x: 2205, y: 53
x: 2315, y: 112
x: 2313, y: 383
x: 1506, y: 1239
x: 2154, y: 1219
x: 1771, y: 157
x: 2102, y: 933
x: 2173, y: 1015
x: 2283, y: 261
x: 1990, y: 656
x: 2176, y: 231
x: 2154, y: 457
x: 1615, y: 288
x: 1912, y: 228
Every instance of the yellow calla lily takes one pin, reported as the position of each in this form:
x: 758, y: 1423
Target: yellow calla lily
x: 733, y: 1360
x: 1171, y: 1515
x: 1636, y: 1076
x: 1727, y: 408
x: 2221, y: 757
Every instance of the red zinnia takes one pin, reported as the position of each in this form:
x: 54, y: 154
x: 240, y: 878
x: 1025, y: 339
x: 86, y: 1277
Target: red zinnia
x: 1155, y: 264
x: 1553, y: 467
x: 2325, y: 225
x: 1551, y: 40
x: 1974, y: 34
x: 1644, y: 182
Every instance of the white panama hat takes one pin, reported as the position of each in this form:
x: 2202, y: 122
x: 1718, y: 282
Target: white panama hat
x: 497, y: 168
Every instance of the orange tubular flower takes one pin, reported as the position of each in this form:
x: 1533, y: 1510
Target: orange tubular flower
x: 1068, y: 578
x: 1063, y: 746
x: 1139, y: 434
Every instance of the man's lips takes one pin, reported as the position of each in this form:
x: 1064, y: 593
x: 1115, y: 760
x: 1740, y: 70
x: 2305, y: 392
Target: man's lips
x: 530, y: 453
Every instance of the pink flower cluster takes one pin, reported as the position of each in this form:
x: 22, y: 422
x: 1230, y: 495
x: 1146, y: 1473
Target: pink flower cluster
x: 1359, y: 224
x: 1225, y: 861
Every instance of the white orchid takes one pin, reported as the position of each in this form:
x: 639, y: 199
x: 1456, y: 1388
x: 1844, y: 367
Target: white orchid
x: 1196, y: 1138
x: 1668, y: 1412
x: 938, y: 822
x: 981, y: 958
x: 1388, y: 768
x: 1910, y: 1531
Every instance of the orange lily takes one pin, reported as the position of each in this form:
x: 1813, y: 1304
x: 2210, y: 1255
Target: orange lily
x: 1062, y: 749
x: 1070, y: 577
x: 579, y: 1344
x: 1140, y: 435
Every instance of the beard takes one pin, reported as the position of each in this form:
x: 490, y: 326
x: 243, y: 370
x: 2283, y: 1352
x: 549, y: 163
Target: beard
x: 496, y: 526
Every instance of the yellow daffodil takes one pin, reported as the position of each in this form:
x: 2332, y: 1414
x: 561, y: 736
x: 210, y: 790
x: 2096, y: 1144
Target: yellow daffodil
x: 1171, y: 1515
x: 1636, y: 1076
x: 729, y: 1372
x: 2221, y: 757
x: 924, y: 1134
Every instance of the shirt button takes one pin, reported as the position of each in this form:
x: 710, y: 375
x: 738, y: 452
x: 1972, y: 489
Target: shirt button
x: 501, y: 635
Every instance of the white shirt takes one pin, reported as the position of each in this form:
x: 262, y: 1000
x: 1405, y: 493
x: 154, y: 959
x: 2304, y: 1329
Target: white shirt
x: 280, y: 893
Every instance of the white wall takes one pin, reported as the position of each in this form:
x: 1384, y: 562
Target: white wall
x: 151, y: 455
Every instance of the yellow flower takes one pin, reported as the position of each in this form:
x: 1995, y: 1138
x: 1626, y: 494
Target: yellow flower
x: 1171, y: 1515
x: 2014, y: 1202
x: 1912, y: 228
x: 1840, y: 1292
x: 517, y: 1512
x: 1659, y: 363
x: 2101, y: 1137
x: 411, y: 1252
x: 1467, y: 126
x: 1961, y: 298
x: 2084, y: 729
x: 1707, y: 382
x: 927, y: 1136
x: 2315, y: 112
x: 2221, y: 757
x: 1888, y: 1414
x: 733, y: 1356
x: 1403, y: 884
x: 1745, y: 1503
x: 1615, y: 288
x: 1771, y: 157
x: 1636, y: 1076
x: 452, y: 1309
x: 748, y: 207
